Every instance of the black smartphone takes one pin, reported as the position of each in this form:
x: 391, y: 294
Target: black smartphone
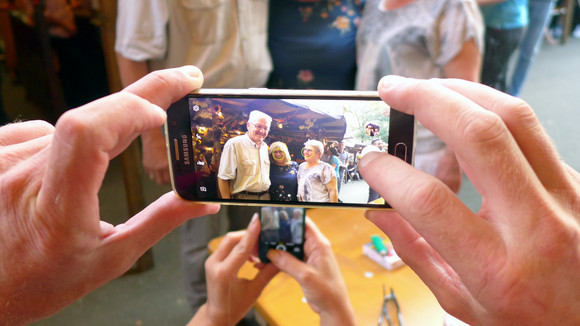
x: 281, y: 147
x: 282, y: 229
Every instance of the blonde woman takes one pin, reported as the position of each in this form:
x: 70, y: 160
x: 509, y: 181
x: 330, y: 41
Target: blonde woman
x: 316, y: 179
x: 283, y: 172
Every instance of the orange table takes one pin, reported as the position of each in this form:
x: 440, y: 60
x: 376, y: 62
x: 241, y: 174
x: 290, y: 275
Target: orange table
x: 282, y: 301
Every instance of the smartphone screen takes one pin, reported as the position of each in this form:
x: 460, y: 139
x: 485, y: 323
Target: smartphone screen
x: 282, y: 229
x: 289, y: 148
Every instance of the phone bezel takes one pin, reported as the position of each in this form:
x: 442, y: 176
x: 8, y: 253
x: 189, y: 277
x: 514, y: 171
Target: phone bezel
x: 401, y: 132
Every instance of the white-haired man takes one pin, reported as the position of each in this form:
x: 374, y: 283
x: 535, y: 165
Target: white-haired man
x: 244, y: 171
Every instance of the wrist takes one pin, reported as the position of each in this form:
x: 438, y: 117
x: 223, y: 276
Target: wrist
x: 342, y: 318
x: 341, y: 314
x: 203, y: 317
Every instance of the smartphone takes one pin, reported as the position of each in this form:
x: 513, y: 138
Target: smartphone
x: 222, y: 146
x: 282, y: 229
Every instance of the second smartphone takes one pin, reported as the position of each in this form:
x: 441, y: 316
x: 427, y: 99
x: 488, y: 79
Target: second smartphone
x: 282, y: 229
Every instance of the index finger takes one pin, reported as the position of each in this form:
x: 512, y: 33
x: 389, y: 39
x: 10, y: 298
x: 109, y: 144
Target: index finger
x: 164, y: 88
x: 484, y: 146
x: 239, y: 244
x: 525, y: 127
x: 85, y: 139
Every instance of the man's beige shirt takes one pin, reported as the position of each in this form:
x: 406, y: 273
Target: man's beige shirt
x: 226, y: 39
x: 245, y: 164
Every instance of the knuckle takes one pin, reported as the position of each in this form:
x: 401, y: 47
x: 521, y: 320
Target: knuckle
x: 305, y: 276
x: 131, y: 104
x: 73, y: 125
x: 428, y: 198
x: 558, y: 235
x: 162, y: 78
x: 209, y: 265
x: 481, y: 127
x: 516, y: 109
x: 232, y: 236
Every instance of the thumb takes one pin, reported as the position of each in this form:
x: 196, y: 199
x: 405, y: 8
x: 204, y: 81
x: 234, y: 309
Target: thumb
x: 142, y: 231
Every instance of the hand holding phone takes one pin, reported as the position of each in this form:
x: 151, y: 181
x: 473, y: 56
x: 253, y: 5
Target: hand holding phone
x: 319, y: 277
x: 227, y: 292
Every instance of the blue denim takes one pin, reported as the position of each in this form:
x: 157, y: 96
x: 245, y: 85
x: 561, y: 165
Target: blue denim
x: 539, y: 14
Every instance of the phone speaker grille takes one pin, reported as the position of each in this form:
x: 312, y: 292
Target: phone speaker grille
x: 176, y: 144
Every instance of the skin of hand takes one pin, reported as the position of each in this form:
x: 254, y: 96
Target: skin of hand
x: 319, y: 277
x: 54, y: 247
x: 229, y: 298
x: 449, y: 171
x: 516, y: 260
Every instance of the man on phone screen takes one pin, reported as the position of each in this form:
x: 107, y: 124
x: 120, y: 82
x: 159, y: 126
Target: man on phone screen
x: 244, y: 171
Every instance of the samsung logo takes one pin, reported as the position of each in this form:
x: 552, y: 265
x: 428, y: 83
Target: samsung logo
x: 185, y: 149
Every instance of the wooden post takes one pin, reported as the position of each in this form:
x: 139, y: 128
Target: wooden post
x: 130, y: 158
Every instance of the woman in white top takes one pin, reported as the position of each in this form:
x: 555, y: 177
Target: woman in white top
x: 316, y: 179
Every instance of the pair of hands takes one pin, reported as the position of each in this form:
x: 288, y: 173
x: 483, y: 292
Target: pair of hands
x: 54, y: 248
x: 230, y: 297
x: 514, y: 262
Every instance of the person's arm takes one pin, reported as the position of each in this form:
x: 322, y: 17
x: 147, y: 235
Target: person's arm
x: 466, y: 64
x: 229, y: 298
x: 224, y: 187
x: 131, y: 71
x: 154, y: 150
x: 55, y: 248
x: 515, y: 261
x: 332, y: 187
x: 319, y: 277
x: 227, y: 170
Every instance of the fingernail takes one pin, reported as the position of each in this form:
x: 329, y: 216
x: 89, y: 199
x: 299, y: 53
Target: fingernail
x: 191, y: 71
x: 254, y: 219
x: 388, y: 82
x: 272, y: 254
x: 368, y: 158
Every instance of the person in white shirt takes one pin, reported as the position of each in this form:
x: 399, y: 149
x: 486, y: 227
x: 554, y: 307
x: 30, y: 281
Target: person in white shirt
x: 244, y: 171
x: 227, y: 40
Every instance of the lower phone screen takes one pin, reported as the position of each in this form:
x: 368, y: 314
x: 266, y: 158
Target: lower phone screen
x: 282, y: 229
x: 309, y: 152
